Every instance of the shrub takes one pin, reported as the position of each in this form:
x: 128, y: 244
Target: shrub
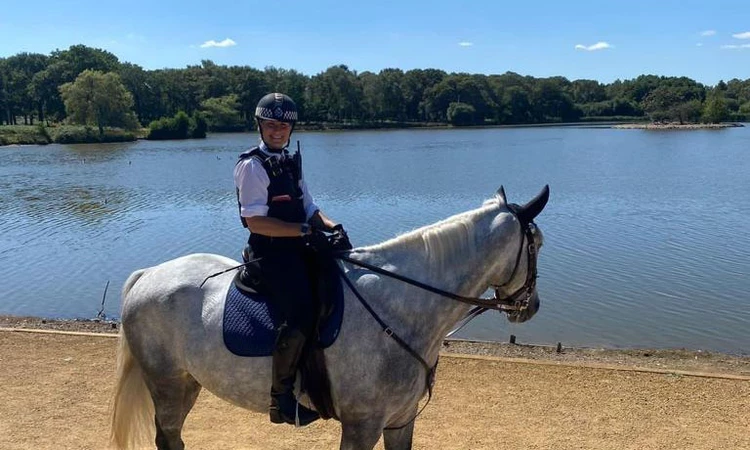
x: 181, y: 126
x: 199, y: 126
x: 74, y: 134
x: 461, y: 114
x: 23, y: 135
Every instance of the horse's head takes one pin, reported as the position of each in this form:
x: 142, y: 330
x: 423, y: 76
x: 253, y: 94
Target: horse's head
x: 513, y: 275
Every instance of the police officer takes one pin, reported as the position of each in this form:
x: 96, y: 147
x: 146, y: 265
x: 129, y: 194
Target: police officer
x: 277, y: 208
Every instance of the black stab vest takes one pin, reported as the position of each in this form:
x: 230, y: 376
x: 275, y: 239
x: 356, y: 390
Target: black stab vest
x: 285, y: 197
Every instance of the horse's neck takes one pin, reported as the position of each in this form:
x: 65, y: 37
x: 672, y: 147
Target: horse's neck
x: 457, y: 268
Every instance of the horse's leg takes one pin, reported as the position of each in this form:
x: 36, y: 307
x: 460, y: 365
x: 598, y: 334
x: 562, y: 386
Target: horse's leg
x: 173, y: 399
x: 399, y: 439
x: 360, y: 435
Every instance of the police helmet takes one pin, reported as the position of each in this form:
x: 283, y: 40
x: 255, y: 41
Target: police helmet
x: 278, y: 107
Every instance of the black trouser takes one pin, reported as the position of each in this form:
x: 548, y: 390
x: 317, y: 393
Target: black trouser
x: 285, y: 268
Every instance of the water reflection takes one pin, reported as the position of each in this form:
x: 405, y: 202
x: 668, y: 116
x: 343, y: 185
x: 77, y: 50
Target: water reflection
x: 644, y: 241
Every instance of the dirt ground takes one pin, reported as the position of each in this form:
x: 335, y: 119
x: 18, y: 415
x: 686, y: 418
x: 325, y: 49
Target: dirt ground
x: 55, y: 392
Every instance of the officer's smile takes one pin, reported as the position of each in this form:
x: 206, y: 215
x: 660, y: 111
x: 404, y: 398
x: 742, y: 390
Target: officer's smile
x: 275, y: 134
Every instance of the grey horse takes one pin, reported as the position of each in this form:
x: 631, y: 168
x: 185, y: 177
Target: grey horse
x: 171, y: 335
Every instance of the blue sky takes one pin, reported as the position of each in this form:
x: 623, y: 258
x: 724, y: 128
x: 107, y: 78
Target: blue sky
x: 601, y: 40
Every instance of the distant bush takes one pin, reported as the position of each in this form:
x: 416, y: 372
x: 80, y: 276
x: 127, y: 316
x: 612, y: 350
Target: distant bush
x: 23, y: 134
x: 461, y: 114
x: 181, y: 126
x: 74, y: 134
x: 200, y: 127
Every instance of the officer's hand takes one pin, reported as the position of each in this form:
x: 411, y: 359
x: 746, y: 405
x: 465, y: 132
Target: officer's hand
x: 319, y: 242
x: 340, y: 239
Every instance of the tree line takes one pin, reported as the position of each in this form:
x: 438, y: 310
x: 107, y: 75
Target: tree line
x: 32, y: 90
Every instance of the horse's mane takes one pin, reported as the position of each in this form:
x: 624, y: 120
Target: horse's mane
x: 440, y: 241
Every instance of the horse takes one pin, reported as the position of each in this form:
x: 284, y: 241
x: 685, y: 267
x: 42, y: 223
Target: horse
x: 170, y: 339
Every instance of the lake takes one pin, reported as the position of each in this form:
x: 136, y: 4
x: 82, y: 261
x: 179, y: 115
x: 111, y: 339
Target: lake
x: 646, y: 232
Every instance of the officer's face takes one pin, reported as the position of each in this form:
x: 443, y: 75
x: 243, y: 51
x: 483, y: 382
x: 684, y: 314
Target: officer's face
x: 275, y: 134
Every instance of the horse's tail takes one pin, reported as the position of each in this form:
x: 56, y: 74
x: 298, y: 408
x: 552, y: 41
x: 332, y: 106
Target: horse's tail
x: 132, y: 412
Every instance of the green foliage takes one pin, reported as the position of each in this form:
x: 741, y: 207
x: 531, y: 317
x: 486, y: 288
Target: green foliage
x: 690, y: 111
x: 743, y: 112
x: 616, y: 107
x: 339, y: 96
x: 73, y: 134
x: 200, y: 126
x: 181, y: 126
x: 23, y: 134
x: 715, y: 110
x: 99, y: 99
x: 65, y: 134
x: 223, y: 113
x: 461, y: 114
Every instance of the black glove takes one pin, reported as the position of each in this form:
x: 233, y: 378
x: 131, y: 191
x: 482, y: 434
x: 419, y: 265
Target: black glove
x: 319, y: 242
x: 339, y: 239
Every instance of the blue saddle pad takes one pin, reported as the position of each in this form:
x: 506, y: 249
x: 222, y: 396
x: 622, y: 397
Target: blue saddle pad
x: 250, y: 323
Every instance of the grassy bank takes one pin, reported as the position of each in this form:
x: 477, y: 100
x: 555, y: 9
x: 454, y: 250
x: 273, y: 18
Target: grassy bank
x: 63, y: 134
x: 23, y: 134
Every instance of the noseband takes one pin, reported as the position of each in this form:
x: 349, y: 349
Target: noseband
x: 519, y: 300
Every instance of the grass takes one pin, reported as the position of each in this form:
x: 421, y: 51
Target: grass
x: 23, y: 134
x: 62, y: 134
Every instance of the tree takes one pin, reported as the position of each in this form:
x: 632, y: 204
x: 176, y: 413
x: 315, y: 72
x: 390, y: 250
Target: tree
x: 99, y: 99
x: 588, y: 91
x: 223, y: 113
x: 715, y: 110
x: 687, y: 111
x: 19, y: 70
x: 461, y: 114
x: 551, y: 103
x: 335, y: 95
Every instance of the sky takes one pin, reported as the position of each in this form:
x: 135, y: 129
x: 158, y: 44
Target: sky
x: 601, y: 40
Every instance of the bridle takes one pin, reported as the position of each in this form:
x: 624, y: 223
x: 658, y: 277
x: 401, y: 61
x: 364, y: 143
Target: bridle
x: 516, y: 302
x: 520, y: 299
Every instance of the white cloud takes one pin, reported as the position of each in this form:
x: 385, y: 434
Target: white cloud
x: 745, y: 35
x: 708, y: 33
x: 225, y: 43
x: 591, y: 48
x: 735, y: 47
x: 465, y: 44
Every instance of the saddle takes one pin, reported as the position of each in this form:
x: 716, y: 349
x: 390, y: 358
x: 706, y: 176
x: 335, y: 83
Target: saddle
x: 251, y: 319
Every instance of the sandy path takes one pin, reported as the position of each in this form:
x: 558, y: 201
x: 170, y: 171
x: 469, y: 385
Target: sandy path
x: 55, y: 391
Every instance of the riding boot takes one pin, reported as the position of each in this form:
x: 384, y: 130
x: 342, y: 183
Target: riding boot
x: 286, y: 355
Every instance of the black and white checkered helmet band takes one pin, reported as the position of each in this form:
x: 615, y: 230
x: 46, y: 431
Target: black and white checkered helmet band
x: 276, y: 114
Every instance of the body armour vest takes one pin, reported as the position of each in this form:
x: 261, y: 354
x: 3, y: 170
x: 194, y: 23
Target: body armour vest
x: 285, y: 197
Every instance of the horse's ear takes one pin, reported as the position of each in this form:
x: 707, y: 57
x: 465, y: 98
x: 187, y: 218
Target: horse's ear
x: 501, y: 195
x: 530, y: 210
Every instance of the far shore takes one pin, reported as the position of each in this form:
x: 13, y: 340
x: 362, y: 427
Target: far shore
x: 676, y: 126
x: 649, y: 359
x: 33, y: 136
